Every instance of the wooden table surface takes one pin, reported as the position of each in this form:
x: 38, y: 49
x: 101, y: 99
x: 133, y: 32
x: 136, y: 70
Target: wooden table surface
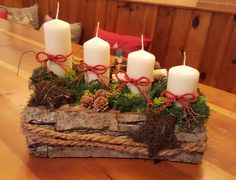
x: 15, y: 162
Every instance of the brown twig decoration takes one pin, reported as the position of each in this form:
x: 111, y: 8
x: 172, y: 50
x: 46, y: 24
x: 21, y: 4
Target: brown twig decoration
x: 157, y: 132
x: 51, y: 95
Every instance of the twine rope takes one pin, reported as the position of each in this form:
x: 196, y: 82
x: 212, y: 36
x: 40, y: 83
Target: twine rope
x: 93, y: 137
x: 50, y: 137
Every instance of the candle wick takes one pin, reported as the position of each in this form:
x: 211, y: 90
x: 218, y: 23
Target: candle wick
x: 142, y: 42
x: 184, y: 58
x: 57, y: 10
x: 97, y: 29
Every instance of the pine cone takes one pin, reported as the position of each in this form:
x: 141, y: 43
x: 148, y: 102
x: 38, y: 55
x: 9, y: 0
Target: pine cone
x: 100, y: 104
x: 102, y: 93
x: 87, y: 100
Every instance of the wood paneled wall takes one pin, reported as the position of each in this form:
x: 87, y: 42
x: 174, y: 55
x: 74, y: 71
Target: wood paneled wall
x: 208, y: 38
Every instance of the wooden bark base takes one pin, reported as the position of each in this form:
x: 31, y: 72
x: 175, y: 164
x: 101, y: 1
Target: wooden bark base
x: 78, y: 132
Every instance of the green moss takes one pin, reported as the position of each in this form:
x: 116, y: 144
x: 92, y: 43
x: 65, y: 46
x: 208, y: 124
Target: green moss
x: 41, y: 74
x: 199, y: 107
x: 129, y: 102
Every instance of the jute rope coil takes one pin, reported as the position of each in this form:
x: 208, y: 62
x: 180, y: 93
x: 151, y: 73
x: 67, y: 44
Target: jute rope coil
x: 188, y: 147
x: 94, y: 137
x: 122, y: 143
x: 121, y: 148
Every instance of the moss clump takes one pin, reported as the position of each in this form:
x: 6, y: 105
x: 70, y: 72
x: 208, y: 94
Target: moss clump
x: 129, y: 102
x: 200, y: 107
x: 42, y: 74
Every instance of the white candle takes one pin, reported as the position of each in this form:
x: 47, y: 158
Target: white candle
x: 57, y: 38
x: 182, y: 79
x: 97, y: 52
x: 140, y: 64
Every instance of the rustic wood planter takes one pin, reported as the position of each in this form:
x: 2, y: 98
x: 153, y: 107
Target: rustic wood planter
x: 78, y: 132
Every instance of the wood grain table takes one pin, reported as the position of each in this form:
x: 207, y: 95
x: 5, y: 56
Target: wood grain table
x: 15, y: 162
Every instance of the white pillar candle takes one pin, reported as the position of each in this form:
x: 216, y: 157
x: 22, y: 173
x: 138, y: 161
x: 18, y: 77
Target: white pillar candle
x: 182, y: 79
x: 140, y: 64
x: 57, y: 38
x: 97, y: 52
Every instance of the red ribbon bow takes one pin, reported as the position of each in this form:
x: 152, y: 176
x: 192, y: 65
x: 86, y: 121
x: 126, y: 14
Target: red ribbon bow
x: 99, y: 70
x: 59, y: 59
x: 183, y: 100
x: 142, y: 81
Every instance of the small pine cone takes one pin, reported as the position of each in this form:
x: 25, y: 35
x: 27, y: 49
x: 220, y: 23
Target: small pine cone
x: 87, y: 100
x: 100, y: 104
x: 102, y: 93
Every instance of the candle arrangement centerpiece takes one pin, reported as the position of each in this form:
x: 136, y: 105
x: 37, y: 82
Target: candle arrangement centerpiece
x: 89, y: 109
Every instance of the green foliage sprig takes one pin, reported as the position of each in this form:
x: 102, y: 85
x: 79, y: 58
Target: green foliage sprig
x: 42, y: 74
x: 199, y: 107
x: 126, y: 102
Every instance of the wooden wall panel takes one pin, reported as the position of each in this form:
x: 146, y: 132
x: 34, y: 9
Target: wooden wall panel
x: 215, y: 47
x: 90, y: 17
x: 80, y: 11
x: 210, y: 47
x: 162, y: 31
x: 18, y: 3
x: 7, y: 3
x: 63, y: 13
x: 42, y: 11
x: 73, y: 11
x: 136, y: 19
x: 196, y: 38
x: 100, y: 13
x: 227, y: 72
x: 111, y: 16
x: 177, y: 39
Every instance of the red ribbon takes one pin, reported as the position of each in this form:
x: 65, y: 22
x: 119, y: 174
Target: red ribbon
x: 142, y: 81
x: 59, y: 59
x: 99, y: 70
x: 183, y: 100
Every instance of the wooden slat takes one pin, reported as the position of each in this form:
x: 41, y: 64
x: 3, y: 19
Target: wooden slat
x: 162, y: 31
x: 18, y: 3
x: 196, y: 38
x: 136, y: 19
x: 228, y: 6
x: 80, y: 11
x: 169, y: 3
x: 8, y: 3
x: 101, y: 10
x: 227, y: 72
x: 123, y: 18
x: 149, y: 20
x: 73, y: 11
x: 53, y: 7
x: 111, y: 16
x: 43, y: 11
x: 89, y: 29
x: 215, y: 48
x: 177, y: 39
